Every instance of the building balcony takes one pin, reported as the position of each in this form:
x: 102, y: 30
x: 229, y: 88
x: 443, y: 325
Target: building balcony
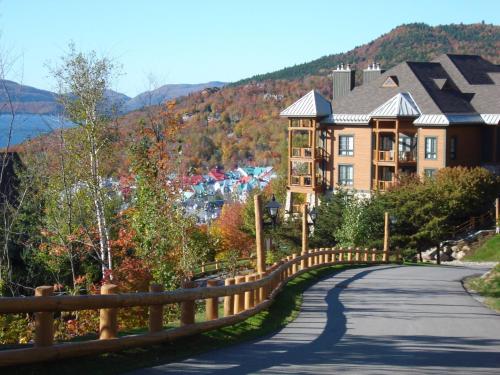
x: 388, y: 156
x: 304, y: 180
x: 408, y: 156
x: 382, y: 185
x: 302, y: 152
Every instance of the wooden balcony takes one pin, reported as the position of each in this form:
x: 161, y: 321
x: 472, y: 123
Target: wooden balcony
x: 382, y: 185
x: 304, y: 181
x: 388, y: 156
x: 408, y: 156
x: 383, y: 155
x: 302, y: 152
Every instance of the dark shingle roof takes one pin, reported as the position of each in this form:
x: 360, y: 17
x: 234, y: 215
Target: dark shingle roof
x: 432, y: 88
x: 477, y: 78
x: 450, y: 85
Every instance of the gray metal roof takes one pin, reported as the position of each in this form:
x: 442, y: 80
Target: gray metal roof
x: 448, y: 119
x: 313, y: 104
x: 400, y: 105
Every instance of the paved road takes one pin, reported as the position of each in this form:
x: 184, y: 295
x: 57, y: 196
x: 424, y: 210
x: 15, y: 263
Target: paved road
x: 377, y: 320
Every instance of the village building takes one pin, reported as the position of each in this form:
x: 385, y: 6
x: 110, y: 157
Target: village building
x: 415, y: 118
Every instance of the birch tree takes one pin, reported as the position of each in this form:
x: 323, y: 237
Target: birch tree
x: 83, y: 80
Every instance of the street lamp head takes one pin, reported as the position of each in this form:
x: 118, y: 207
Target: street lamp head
x: 393, y: 219
x: 314, y: 214
x: 273, y: 207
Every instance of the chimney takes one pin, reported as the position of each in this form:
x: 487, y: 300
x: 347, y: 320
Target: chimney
x: 343, y: 80
x: 372, y: 72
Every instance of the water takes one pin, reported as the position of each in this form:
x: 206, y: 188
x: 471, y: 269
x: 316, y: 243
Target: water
x: 28, y: 126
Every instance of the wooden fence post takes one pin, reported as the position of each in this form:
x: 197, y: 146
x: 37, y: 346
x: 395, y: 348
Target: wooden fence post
x: 356, y: 256
x: 294, y: 266
x: 108, y: 318
x: 263, y: 290
x: 341, y: 255
x: 155, y: 311
x: 188, y: 307
x: 365, y: 255
x: 229, y: 300
x: 305, y: 237
x: 385, y: 256
x: 497, y: 215
x: 211, y: 304
x: 256, y: 292
x: 249, y: 294
x: 239, y: 298
x: 259, y: 234
x: 44, y: 321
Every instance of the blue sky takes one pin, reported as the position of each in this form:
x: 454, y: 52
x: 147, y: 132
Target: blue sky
x: 198, y: 41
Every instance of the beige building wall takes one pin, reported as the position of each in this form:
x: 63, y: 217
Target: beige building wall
x: 440, y: 162
x: 362, y: 158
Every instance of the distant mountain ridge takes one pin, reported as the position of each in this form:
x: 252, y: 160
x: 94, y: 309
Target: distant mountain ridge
x: 167, y: 92
x: 30, y: 100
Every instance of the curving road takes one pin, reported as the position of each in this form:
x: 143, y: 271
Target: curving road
x: 376, y: 320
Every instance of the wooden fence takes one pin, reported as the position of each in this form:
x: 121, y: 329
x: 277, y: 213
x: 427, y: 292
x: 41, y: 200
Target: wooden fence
x: 473, y: 223
x: 243, y: 296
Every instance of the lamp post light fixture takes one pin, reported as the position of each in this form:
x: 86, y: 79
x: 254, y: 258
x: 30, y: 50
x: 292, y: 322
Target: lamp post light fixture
x: 313, y: 214
x: 273, y: 207
x: 393, y: 219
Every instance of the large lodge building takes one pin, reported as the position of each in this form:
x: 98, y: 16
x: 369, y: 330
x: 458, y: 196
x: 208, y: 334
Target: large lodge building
x: 417, y: 117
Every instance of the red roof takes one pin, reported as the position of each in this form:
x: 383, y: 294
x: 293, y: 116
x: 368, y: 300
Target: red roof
x: 217, y: 175
x: 193, y: 180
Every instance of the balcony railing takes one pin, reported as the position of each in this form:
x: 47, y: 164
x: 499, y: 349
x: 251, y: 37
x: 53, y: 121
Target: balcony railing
x: 408, y: 156
x: 382, y: 185
x: 383, y: 155
x: 305, y: 180
x: 301, y: 152
x: 388, y: 155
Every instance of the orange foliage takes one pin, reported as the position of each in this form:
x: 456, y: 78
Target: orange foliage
x: 228, y: 229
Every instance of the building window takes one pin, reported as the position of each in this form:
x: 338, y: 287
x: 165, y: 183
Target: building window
x: 431, y: 148
x: 346, y: 145
x: 453, y: 148
x: 346, y: 175
x: 429, y: 173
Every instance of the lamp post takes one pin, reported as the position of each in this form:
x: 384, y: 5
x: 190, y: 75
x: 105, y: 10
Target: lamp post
x: 389, y: 220
x: 273, y: 206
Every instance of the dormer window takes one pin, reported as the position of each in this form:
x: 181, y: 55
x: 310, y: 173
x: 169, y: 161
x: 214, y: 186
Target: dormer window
x: 391, y: 81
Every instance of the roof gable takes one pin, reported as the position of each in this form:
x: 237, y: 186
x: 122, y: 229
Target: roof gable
x: 400, y: 105
x: 313, y: 104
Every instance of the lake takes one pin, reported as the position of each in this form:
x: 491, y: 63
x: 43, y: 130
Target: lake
x: 28, y: 126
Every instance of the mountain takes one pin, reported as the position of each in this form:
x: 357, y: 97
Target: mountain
x: 26, y: 99
x: 30, y: 100
x: 410, y: 42
x: 166, y: 92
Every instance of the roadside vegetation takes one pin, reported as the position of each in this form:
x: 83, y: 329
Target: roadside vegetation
x: 488, y: 286
x: 488, y: 252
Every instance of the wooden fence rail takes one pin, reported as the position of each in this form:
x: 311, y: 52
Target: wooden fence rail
x: 244, y: 296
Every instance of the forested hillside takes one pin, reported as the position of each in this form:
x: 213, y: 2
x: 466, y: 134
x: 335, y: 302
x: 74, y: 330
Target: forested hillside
x: 240, y: 123
x: 415, y: 42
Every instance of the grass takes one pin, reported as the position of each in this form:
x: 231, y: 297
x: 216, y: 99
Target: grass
x: 284, y: 309
x: 488, y: 252
x: 488, y: 287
